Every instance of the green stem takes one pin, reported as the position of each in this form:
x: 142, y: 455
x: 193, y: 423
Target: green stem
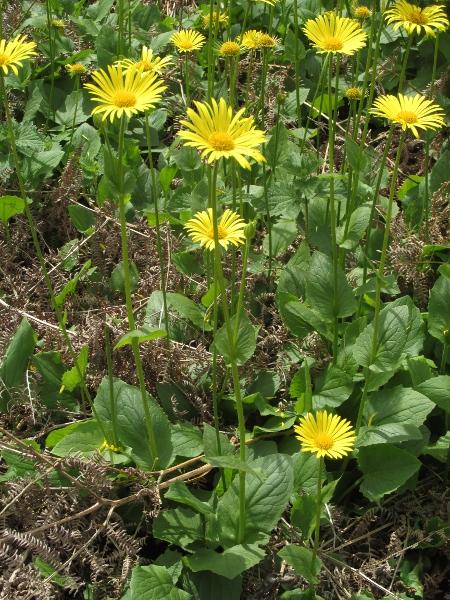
x: 318, y: 515
x: 120, y: 35
x: 405, y: 61
x: 158, y: 230
x: 269, y: 228
x: 51, y: 106
x: 112, y: 404
x: 316, y: 93
x: 127, y: 285
x: 297, y: 65
x: 233, y: 361
x: 444, y: 359
x: 55, y: 306
x: 186, y: 75
x: 77, y: 95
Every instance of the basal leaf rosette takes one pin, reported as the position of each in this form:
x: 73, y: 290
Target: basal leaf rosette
x: 331, y: 33
x: 325, y: 434
x: 411, y: 112
x: 218, y: 133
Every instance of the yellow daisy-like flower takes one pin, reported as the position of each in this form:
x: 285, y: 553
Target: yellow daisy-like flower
x: 331, y: 33
x: 187, y: 40
x: 148, y: 62
x: 325, y: 434
x: 251, y: 38
x: 230, y: 229
x: 362, y: 12
x: 124, y: 93
x: 230, y: 49
x: 58, y: 23
x: 409, y: 111
x: 413, y: 18
x: 216, y: 132
x: 353, y: 93
x: 223, y: 19
x: 13, y: 53
x: 76, y: 69
x: 267, y: 41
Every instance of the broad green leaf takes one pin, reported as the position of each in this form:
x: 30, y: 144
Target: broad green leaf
x: 106, y: 46
x: 72, y: 378
x: 303, y: 514
x: 15, y: 361
x: 211, y: 443
x: 233, y: 462
x: 58, y: 434
x: 437, y: 390
x: 439, y: 173
x: 143, y: 334
x: 172, y: 560
x: 70, y: 287
x: 166, y: 176
x: 179, y: 492
x: 321, y: 294
x: 264, y: 501
x: 131, y: 423
x: 301, y: 560
x: 187, y: 264
x: 359, y: 220
x: 305, y: 464
x: 332, y: 388
x: 82, y: 217
x: 398, y: 405
x: 301, y: 320
x: 206, y: 585
x: 51, y: 370
x: 415, y: 328
x: 440, y: 449
x: 153, y: 583
x: 439, y: 307
x: 283, y: 234
x: 10, y: 206
x: 187, y: 440
x: 246, y: 340
x: 391, y: 433
x: 173, y: 398
x: 357, y: 160
x: 230, y: 563
x: 292, y: 281
x: 117, y: 279
x: 65, y: 114
x: 179, y: 526
x: 18, y: 464
x: 391, y: 340
x: 385, y: 469
x: 85, y: 438
x: 188, y: 309
x: 277, y: 149
x: 46, y: 570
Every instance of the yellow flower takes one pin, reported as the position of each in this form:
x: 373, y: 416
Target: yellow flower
x: 76, y: 69
x: 13, y: 53
x: 271, y: 2
x: 327, y: 435
x: 230, y: 49
x: 251, y: 38
x: 149, y: 62
x: 267, y: 41
x: 413, y: 18
x: 362, y: 12
x: 331, y: 33
x: 124, y: 93
x: 230, y: 229
x: 409, y: 111
x: 58, y: 23
x: 187, y: 40
x: 216, y: 132
x: 353, y: 93
x: 223, y: 19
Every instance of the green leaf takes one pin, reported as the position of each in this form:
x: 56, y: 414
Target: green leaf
x: 332, y: 388
x: 276, y: 150
x: 391, y: 340
x: 283, y: 234
x: 206, y: 585
x: 359, y: 220
x: 398, y: 405
x: 245, y: 344
x: 391, y: 433
x: 439, y: 307
x: 358, y: 161
x: 323, y: 298
x: 415, y: 328
x: 189, y: 310
x: 187, y: 264
x: 71, y: 378
x: 439, y: 450
x: 233, y: 462
x: 439, y: 173
x: 117, y: 279
x: 230, y: 563
x: 179, y: 526
x: 10, y: 206
x: 85, y: 438
x: 15, y: 361
x: 212, y: 445
x: 46, y: 570
x: 179, y: 492
x: 305, y: 464
x: 301, y: 320
x: 65, y: 114
x: 82, y: 217
x: 303, y: 514
x: 437, y: 390
x: 264, y: 504
x: 153, y: 583
x: 385, y: 469
x: 58, y: 434
x: 300, y: 559
x: 70, y: 287
x: 143, y: 334
x: 187, y: 440
x: 131, y: 423
x: 106, y: 46
x: 172, y: 560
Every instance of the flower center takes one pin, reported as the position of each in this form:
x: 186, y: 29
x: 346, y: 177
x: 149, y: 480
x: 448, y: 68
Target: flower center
x: 78, y: 69
x: 124, y: 99
x: 362, y: 12
x: 407, y: 117
x: 146, y: 64
x: 185, y: 45
x: 417, y: 17
x: 221, y: 141
x: 324, y: 441
x: 266, y: 41
x: 221, y: 233
x: 353, y: 94
x: 332, y: 44
x: 4, y: 59
x: 230, y: 49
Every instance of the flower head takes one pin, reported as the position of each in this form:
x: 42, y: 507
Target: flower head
x: 58, y: 23
x: 187, y: 40
x: 124, y: 93
x: 267, y: 41
x: 251, y: 38
x: 230, y: 49
x: 148, y: 62
x: 216, y: 132
x: 353, y: 93
x: 413, y: 18
x: 76, y: 69
x: 325, y: 434
x: 230, y: 229
x: 13, y: 53
x: 409, y: 111
x: 331, y: 33
x: 223, y: 19
x: 362, y: 12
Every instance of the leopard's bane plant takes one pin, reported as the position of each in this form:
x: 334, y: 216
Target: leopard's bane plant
x: 13, y: 53
x: 331, y: 33
x: 413, y: 18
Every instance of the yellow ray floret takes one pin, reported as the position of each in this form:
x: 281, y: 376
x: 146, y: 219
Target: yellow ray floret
x: 13, y: 53
x: 325, y: 434
x: 409, y: 111
x: 124, y: 93
x: 230, y: 229
x: 331, y: 33
x: 148, y: 61
x: 187, y: 40
x: 412, y: 18
x: 217, y: 133
x: 251, y: 38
